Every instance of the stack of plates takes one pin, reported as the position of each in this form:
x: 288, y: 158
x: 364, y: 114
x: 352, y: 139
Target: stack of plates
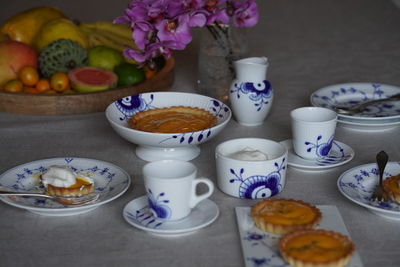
x: 380, y: 116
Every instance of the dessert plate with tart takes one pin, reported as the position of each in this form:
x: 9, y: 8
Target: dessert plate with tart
x: 138, y: 214
x: 261, y: 248
x: 168, y: 125
x: 340, y: 154
x: 107, y: 180
x: 358, y: 184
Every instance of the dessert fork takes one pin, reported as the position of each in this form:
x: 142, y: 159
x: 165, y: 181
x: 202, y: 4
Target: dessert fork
x: 361, y: 107
x: 379, y: 193
x: 68, y: 200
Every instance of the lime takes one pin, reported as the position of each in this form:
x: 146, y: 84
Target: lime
x: 129, y: 74
x: 104, y: 57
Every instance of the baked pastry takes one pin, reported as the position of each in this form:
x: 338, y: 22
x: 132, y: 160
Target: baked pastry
x: 280, y: 216
x: 391, y: 185
x: 176, y: 119
x: 62, y: 181
x: 316, y: 248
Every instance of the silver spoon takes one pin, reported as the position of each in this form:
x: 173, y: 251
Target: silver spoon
x: 363, y: 106
x: 379, y: 193
x: 69, y: 200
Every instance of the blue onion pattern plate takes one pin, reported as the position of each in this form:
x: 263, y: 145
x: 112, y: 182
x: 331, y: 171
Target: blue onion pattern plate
x: 110, y: 181
x: 156, y: 146
x: 358, y: 184
x: 137, y: 213
x: 260, y: 249
x: 354, y: 94
x: 340, y: 154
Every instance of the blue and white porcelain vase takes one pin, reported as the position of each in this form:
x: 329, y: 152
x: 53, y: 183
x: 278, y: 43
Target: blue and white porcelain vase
x: 251, y: 93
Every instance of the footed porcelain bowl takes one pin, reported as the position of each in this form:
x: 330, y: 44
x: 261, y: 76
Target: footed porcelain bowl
x: 158, y: 146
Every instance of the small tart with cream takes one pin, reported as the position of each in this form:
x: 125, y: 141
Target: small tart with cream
x: 280, y: 216
x: 316, y: 248
x: 62, y: 181
x: 392, y: 187
x: 176, y: 119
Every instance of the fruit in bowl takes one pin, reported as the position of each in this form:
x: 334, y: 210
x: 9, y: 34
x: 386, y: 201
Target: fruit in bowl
x: 173, y: 145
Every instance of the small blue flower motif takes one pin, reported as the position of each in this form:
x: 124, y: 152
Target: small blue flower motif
x: 130, y: 105
x: 159, y: 206
x: 259, y: 93
x: 259, y: 186
x: 321, y: 149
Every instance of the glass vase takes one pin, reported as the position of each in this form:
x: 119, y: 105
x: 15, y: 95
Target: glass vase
x: 220, y: 46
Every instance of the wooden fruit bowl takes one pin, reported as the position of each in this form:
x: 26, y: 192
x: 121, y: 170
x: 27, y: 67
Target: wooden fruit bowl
x: 42, y: 104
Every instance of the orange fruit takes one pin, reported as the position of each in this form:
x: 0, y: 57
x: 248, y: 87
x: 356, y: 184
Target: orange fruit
x: 148, y: 72
x: 13, y: 86
x: 43, y: 85
x: 59, y: 81
x: 28, y: 75
x: 31, y: 90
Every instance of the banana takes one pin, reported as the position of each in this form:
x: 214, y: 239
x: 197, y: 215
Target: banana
x: 90, y: 29
x: 98, y: 39
x: 118, y: 29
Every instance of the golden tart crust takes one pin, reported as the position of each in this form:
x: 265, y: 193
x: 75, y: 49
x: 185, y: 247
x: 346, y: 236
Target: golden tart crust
x: 316, y: 248
x: 81, y: 187
x: 176, y: 119
x: 280, y: 216
x: 392, y: 187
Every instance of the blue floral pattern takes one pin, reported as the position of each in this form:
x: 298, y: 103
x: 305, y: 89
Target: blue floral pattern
x: 130, y: 105
x: 158, y: 205
x: 26, y: 178
x: 354, y: 95
x: 359, y: 184
x: 321, y: 149
x: 261, y: 185
x: 259, y: 93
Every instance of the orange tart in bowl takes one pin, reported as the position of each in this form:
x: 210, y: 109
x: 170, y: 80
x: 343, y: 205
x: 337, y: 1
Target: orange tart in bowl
x: 391, y: 185
x: 176, y: 119
x: 316, y: 248
x: 280, y: 216
x: 62, y: 181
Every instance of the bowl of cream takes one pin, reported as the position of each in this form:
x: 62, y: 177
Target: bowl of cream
x: 252, y: 168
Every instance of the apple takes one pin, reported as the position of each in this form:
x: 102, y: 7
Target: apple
x: 14, y: 56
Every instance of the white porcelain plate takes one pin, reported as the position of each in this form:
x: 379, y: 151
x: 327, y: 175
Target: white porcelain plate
x: 370, y: 127
x: 110, y: 181
x: 340, y: 154
x: 261, y: 248
x: 138, y: 214
x: 158, y: 146
x: 354, y: 94
x: 358, y: 184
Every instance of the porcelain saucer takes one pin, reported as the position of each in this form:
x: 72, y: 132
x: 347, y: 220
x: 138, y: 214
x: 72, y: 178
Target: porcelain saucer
x: 137, y: 213
x: 340, y: 154
x: 358, y: 184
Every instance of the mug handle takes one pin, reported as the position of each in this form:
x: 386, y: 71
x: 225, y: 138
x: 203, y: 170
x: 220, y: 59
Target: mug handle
x: 195, y: 199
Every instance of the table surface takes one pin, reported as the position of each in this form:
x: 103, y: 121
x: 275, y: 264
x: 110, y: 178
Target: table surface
x: 310, y: 44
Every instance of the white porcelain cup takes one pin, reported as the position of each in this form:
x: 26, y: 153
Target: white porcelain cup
x: 171, y: 188
x: 252, y: 168
x: 313, y: 131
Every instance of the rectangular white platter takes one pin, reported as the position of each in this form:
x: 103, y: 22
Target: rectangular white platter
x: 260, y: 248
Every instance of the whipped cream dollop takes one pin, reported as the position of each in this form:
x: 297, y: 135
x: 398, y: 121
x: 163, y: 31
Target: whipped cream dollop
x: 62, y: 176
x: 249, y: 153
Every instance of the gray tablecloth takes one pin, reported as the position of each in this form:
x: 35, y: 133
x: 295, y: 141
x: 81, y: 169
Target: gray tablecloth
x: 310, y: 44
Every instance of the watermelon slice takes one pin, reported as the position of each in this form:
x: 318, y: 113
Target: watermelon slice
x: 91, y: 79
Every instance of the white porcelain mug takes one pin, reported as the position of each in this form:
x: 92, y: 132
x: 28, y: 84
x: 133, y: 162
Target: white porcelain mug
x: 171, y: 188
x: 313, y: 131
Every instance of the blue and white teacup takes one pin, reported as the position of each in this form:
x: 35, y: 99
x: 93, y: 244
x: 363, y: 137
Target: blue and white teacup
x: 252, y: 168
x: 313, y: 131
x: 171, y: 188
